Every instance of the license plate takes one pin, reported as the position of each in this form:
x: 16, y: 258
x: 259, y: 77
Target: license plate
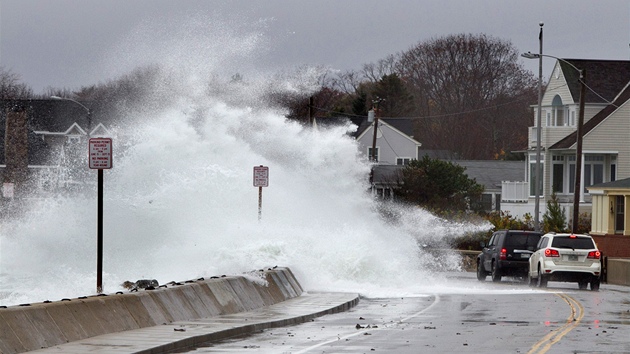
x: 525, y: 255
x: 573, y: 257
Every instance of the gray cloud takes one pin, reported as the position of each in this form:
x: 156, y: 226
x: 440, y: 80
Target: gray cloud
x: 70, y: 43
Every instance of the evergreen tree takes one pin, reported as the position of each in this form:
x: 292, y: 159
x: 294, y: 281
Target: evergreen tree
x: 438, y: 185
x: 555, y: 219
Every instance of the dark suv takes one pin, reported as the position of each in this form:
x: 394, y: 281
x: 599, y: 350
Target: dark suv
x: 507, y: 253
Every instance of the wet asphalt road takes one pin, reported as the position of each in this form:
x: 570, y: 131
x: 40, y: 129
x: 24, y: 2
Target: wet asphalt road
x: 506, y: 317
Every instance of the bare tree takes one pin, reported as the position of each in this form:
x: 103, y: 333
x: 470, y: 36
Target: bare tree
x: 374, y: 72
x: 11, y: 87
x: 474, y: 92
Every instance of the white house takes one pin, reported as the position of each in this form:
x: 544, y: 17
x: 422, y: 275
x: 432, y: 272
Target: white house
x: 395, y: 144
x: 606, y: 136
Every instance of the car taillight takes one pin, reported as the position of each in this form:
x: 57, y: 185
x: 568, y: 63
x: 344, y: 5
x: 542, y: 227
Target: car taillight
x: 503, y: 255
x: 551, y: 253
x: 594, y: 255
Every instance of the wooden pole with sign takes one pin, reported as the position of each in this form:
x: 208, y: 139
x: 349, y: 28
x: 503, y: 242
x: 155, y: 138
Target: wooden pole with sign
x: 261, y: 179
x: 100, y: 157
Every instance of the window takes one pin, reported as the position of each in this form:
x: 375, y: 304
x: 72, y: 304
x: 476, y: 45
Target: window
x: 74, y: 139
x: 571, y: 174
x: 558, y: 174
x: 402, y: 160
x: 557, y: 111
x: 558, y: 177
x: 548, y: 119
x: 370, y: 154
x: 486, y: 201
x: 619, y: 214
x: 593, y: 170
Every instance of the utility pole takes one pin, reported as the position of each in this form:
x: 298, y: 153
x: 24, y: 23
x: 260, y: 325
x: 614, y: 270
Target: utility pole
x: 577, y: 193
x: 310, y: 110
x: 538, y: 180
x: 375, y: 103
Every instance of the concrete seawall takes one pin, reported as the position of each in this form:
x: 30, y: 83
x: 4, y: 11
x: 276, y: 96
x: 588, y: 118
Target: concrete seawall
x: 618, y: 271
x: 42, y: 325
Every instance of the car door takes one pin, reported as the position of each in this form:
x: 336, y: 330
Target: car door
x: 488, y: 252
x: 535, y: 258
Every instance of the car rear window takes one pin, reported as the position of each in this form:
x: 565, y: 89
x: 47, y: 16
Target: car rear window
x: 522, y: 241
x: 581, y: 243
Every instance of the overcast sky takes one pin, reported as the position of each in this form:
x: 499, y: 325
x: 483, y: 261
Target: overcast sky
x: 74, y: 43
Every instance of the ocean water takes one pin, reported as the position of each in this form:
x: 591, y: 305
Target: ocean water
x: 180, y: 204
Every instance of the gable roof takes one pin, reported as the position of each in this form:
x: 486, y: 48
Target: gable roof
x: 403, y: 125
x: 571, y: 139
x: 606, y: 77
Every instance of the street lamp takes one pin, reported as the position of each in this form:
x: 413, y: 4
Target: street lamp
x: 578, y: 152
x: 89, y: 112
x: 538, y: 181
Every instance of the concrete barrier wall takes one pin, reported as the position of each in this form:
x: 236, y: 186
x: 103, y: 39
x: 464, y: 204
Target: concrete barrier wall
x: 618, y: 271
x: 42, y: 325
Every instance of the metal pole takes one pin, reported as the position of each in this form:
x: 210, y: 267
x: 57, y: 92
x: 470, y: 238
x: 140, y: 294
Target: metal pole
x: 538, y: 179
x: 578, y: 155
x: 259, y: 203
x: 99, y: 235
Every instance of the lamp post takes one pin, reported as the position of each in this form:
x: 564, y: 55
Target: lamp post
x: 538, y: 180
x: 89, y: 112
x: 578, y: 150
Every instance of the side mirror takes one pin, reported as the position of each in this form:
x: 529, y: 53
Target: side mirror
x: 482, y: 244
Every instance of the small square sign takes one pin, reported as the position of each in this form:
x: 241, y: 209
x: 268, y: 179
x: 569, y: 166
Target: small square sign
x: 100, y: 153
x: 261, y: 176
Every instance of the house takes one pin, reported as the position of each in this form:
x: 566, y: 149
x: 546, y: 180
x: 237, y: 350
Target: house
x: 490, y: 174
x: 605, y: 143
x: 395, y: 144
x: 43, y: 144
x: 610, y: 221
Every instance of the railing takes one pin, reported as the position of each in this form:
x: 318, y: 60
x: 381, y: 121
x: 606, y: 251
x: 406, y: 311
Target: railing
x: 514, y: 191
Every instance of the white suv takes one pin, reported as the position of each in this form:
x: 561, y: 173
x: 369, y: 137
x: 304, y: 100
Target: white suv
x: 565, y: 257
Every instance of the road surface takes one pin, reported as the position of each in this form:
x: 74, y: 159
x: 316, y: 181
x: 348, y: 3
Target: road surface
x: 506, y: 317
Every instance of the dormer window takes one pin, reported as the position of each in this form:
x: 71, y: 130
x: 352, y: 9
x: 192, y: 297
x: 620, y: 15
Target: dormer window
x: 557, y: 112
x: 74, y: 139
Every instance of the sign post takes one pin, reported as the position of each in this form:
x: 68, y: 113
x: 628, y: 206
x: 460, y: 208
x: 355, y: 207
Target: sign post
x: 100, y: 157
x: 261, y: 179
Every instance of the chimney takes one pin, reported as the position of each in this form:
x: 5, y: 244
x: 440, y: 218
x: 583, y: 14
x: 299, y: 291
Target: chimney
x: 16, y: 146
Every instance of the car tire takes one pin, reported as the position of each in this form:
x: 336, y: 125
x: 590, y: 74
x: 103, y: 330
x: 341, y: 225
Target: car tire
x: 582, y: 284
x: 531, y: 281
x: 541, y: 280
x: 481, y: 273
x: 496, y: 275
x: 595, y: 284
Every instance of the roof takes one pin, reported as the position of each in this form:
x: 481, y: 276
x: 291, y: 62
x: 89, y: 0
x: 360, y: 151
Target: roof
x: 385, y: 174
x: 490, y: 173
x: 606, y: 77
x: 45, y: 115
x: 571, y: 139
x: 402, y: 124
x: 622, y: 183
x: 52, y: 115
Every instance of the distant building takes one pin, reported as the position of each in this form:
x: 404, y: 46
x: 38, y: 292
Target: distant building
x: 54, y: 153
x: 605, y: 143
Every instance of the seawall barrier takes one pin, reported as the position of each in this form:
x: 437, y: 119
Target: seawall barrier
x: 618, y: 271
x: 40, y: 325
